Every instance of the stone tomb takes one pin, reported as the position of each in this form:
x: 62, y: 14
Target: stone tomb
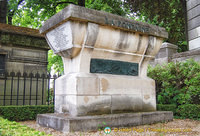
x: 105, y: 60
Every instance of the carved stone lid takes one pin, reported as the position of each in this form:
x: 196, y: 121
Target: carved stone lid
x: 73, y: 12
x: 20, y: 30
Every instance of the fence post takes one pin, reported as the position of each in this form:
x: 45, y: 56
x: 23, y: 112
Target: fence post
x: 24, y: 75
x: 11, y: 89
x: 48, y: 78
x: 4, y: 97
x: 43, y: 76
x: 18, y: 75
x: 37, y: 76
x: 31, y: 76
x: 54, y: 78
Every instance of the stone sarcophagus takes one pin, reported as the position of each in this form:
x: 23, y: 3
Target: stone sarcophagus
x: 105, y: 59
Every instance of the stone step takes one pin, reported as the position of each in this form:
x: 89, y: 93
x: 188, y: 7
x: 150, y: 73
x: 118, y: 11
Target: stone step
x: 67, y: 123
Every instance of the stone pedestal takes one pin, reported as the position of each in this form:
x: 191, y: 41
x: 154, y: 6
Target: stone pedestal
x: 165, y: 54
x: 105, y: 62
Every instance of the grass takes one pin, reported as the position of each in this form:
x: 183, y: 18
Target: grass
x: 12, y: 128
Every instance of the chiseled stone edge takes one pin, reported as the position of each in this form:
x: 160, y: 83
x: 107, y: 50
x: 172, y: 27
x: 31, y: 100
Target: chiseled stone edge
x: 187, y: 53
x: 73, y: 12
x: 66, y: 123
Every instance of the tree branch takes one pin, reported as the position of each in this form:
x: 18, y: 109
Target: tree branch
x: 81, y: 3
x: 64, y: 2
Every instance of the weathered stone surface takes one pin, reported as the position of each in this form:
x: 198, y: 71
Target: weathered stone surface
x: 194, y: 12
x: 66, y: 123
x: 194, y: 44
x: 83, y: 105
x: 176, y: 57
x: 84, y: 94
x: 192, y: 3
x: 194, y: 23
x: 20, y: 30
x: 194, y: 54
x: 167, y: 50
x: 93, y: 105
x: 23, y: 40
x: 124, y: 85
x: 73, y: 12
x: 127, y: 103
x: 194, y: 33
x: 77, y: 83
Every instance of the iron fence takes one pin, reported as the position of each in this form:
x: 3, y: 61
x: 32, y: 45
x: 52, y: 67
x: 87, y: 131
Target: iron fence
x: 27, y: 89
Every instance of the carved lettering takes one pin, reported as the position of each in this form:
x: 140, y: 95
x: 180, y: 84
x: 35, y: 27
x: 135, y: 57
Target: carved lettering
x: 135, y: 27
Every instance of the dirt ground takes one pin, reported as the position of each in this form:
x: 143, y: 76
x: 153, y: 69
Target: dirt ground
x: 176, y: 127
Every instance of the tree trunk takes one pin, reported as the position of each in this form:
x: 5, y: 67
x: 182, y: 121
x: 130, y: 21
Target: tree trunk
x: 3, y: 11
x: 10, y: 20
x: 81, y: 3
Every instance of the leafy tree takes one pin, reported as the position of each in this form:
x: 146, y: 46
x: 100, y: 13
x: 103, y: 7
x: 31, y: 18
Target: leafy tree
x: 170, y: 14
x: 31, y: 13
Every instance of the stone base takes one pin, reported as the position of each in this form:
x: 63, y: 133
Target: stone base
x: 84, y: 94
x: 66, y: 123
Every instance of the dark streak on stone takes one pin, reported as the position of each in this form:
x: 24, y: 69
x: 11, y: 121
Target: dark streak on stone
x: 150, y: 45
x: 139, y: 43
x: 123, y: 40
x: 93, y: 33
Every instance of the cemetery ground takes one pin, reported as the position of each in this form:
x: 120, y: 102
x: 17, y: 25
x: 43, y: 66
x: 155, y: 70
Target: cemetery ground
x: 176, y: 127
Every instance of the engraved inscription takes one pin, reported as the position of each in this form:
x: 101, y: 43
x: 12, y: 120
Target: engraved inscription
x: 60, y: 38
x: 135, y: 27
x: 113, y: 67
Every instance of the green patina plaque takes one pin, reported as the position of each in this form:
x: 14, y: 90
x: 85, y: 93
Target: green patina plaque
x: 113, y: 67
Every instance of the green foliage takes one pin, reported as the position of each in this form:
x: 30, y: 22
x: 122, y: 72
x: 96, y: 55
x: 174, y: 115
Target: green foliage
x: 31, y: 13
x: 50, y: 96
x: 101, y: 126
x: 191, y: 111
x: 166, y: 107
x: 111, y: 6
x: 55, y: 61
x: 8, y: 128
x: 21, y: 113
x: 177, y: 83
x: 170, y: 14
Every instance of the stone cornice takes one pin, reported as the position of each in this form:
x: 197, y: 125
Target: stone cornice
x: 73, y: 12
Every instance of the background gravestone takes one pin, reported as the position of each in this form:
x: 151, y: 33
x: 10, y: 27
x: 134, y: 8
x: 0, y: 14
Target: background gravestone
x: 21, y: 50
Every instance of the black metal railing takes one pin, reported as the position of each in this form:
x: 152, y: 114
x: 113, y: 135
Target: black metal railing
x: 27, y: 89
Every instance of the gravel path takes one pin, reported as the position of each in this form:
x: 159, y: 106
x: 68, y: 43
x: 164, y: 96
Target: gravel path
x: 176, y: 127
